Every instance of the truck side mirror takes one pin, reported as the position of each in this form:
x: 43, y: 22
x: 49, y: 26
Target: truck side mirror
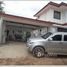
x: 50, y: 39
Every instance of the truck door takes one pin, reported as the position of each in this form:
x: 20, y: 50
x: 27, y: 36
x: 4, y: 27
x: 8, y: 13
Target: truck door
x: 64, y: 46
x: 54, y: 46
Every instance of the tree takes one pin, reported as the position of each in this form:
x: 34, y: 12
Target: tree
x: 1, y: 7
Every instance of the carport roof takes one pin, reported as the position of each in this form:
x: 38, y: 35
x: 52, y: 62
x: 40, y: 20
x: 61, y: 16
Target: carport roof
x: 24, y: 20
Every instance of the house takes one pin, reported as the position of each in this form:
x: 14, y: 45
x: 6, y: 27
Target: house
x: 56, y: 13
x: 50, y: 18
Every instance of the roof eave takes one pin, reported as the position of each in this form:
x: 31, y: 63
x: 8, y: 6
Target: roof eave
x: 52, y: 4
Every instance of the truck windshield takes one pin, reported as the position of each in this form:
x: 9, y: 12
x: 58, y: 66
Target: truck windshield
x: 46, y: 35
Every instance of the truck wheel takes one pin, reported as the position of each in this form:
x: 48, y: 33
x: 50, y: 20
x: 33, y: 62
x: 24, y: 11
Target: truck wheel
x: 38, y: 52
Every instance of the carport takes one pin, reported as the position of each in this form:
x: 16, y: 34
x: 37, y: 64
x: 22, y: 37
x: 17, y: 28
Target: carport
x: 18, y: 32
x: 15, y: 28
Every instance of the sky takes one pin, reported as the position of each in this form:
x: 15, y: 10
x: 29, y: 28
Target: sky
x: 25, y: 8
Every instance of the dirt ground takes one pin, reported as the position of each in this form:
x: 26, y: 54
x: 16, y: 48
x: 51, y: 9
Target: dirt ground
x: 13, y: 50
x: 15, y: 53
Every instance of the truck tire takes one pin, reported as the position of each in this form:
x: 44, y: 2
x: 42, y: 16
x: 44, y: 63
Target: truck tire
x: 38, y: 52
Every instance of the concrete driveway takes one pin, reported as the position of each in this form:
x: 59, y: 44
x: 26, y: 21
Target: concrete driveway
x: 13, y: 50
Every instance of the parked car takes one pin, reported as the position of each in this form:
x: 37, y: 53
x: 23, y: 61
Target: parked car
x: 50, y: 43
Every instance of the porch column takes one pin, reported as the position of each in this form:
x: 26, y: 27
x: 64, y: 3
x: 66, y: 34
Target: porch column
x: 1, y: 22
x: 3, y: 32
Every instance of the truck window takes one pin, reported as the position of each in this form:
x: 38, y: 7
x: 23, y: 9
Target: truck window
x: 57, y: 38
x: 65, y: 37
x: 46, y: 35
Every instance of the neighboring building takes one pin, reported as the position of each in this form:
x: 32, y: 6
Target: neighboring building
x: 51, y: 18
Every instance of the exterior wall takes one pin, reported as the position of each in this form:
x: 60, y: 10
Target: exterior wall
x: 42, y: 17
x: 48, y: 16
x: 52, y: 29
x: 44, y: 31
x: 39, y: 32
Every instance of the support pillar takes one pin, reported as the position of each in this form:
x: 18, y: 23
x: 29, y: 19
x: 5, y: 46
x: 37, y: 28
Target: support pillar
x: 1, y: 23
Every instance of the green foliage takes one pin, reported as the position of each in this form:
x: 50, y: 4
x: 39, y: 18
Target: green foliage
x: 1, y: 8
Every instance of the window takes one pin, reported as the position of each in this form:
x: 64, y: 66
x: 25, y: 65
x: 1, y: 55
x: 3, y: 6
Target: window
x: 57, y: 15
x: 62, y: 29
x: 46, y: 35
x: 65, y: 37
x: 57, y: 38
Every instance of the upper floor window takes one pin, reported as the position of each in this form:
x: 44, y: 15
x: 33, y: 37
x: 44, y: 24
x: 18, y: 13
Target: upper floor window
x: 57, y: 15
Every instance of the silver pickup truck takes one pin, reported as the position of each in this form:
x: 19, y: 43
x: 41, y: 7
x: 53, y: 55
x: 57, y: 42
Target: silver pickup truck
x: 50, y: 43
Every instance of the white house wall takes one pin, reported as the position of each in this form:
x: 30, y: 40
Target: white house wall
x: 40, y: 31
x: 48, y: 16
x: 42, y: 17
x: 44, y: 30
x: 52, y: 29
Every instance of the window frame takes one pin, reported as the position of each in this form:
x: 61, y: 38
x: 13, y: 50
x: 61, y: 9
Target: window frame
x: 54, y: 15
